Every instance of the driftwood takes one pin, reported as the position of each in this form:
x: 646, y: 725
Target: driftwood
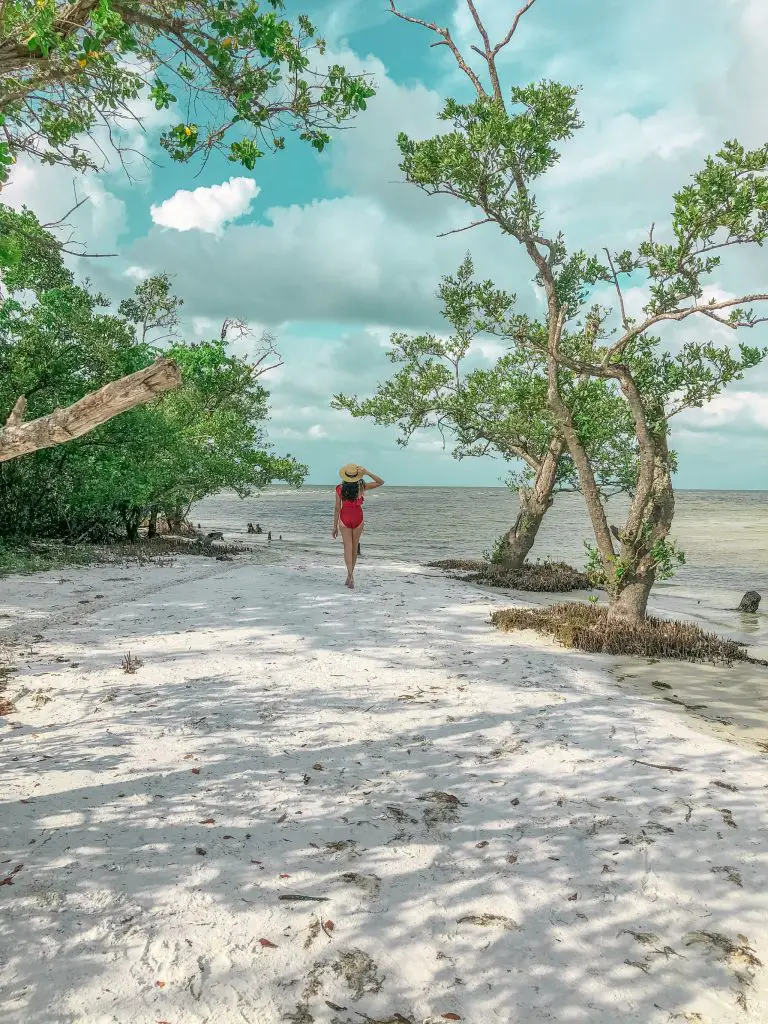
x: 18, y: 438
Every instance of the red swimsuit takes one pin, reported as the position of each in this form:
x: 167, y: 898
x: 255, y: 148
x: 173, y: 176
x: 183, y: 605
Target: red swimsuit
x: 351, y: 514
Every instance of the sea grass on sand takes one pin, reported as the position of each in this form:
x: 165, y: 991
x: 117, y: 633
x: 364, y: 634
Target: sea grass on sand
x: 539, y: 577
x: 586, y: 627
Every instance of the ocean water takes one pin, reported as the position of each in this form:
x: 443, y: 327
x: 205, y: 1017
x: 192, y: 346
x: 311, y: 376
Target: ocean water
x: 724, y: 535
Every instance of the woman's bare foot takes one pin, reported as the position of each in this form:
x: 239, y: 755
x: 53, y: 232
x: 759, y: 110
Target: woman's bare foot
x: 351, y: 583
x: 347, y: 582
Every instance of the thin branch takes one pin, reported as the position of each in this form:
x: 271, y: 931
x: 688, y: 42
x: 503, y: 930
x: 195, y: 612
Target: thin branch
x: 507, y: 38
x: 681, y: 314
x: 624, y: 321
x: 474, y: 224
x: 446, y: 40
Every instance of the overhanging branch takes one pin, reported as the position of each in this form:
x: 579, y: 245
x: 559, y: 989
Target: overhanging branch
x: 18, y: 438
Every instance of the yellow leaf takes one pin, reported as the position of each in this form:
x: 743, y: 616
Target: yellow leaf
x: 187, y: 132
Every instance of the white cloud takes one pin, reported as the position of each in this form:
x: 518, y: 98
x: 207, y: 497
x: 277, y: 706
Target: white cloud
x: 138, y: 274
x: 317, y: 431
x: 206, y: 209
x: 626, y: 140
x: 732, y: 408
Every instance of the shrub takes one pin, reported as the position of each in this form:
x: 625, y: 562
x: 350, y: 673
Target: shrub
x: 539, y: 577
x: 586, y: 627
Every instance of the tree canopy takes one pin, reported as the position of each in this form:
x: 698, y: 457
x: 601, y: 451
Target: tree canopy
x: 59, y: 342
x: 497, y: 149
x: 241, y: 75
x: 502, y: 409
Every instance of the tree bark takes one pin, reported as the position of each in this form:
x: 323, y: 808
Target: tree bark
x: 630, y: 602
x: 535, y: 502
x: 18, y: 438
x: 152, y: 525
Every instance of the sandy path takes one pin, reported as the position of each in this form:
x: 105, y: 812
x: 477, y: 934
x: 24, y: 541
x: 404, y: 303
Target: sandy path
x: 467, y: 803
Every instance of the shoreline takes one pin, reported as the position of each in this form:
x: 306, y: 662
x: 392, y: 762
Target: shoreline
x: 475, y: 812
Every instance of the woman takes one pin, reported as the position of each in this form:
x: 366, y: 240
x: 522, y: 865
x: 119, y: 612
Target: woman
x: 349, y: 512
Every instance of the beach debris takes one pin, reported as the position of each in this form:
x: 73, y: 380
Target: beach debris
x: 512, y: 858
x: 750, y: 602
x: 730, y: 873
x: 728, y: 817
x: 215, y: 535
x: 267, y: 944
x: 639, y: 964
x: 393, y: 811
x: 736, y: 954
x: 445, y: 807
x: 659, y: 685
x: 159, y: 984
x: 490, y: 921
x: 661, y: 767
x: 339, y: 845
x: 300, y: 898
x: 573, y: 897
x: 328, y: 926
x: 207, y: 821
x: 201, y: 851
x: 8, y: 880
x: 312, y: 933
x: 481, y: 845
x: 645, y: 938
x: 369, y: 883
x: 725, y: 785
x: 195, y: 771
x: 359, y: 972
x: 130, y: 664
x: 450, y: 1016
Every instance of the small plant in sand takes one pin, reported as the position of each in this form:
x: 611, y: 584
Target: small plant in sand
x: 130, y: 664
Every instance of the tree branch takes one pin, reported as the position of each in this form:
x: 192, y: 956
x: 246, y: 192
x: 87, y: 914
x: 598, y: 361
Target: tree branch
x: 474, y: 224
x: 447, y: 40
x: 64, y: 425
x: 682, y: 314
x: 624, y: 321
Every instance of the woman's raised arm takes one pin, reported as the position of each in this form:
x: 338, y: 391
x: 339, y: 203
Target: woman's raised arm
x: 376, y: 480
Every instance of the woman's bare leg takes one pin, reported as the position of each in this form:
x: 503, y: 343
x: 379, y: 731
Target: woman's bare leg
x: 349, y: 551
x: 356, y: 533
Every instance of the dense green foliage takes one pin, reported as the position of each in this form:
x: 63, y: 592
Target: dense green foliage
x: 59, y: 341
x: 500, y: 409
x: 495, y: 152
x: 242, y: 73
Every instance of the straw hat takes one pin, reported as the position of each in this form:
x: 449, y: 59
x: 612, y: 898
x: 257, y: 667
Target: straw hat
x: 351, y: 473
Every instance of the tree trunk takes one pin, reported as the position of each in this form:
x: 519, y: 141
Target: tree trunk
x: 18, y: 438
x: 152, y: 525
x: 630, y: 603
x: 175, y: 518
x: 535, y: 502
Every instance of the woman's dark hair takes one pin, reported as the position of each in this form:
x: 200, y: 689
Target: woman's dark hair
x: 350, y: 492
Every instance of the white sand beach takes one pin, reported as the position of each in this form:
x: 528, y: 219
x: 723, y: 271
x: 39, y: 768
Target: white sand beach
x: 312, y: 805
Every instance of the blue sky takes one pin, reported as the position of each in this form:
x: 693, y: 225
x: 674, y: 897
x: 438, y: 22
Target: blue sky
x: 332, y: 253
